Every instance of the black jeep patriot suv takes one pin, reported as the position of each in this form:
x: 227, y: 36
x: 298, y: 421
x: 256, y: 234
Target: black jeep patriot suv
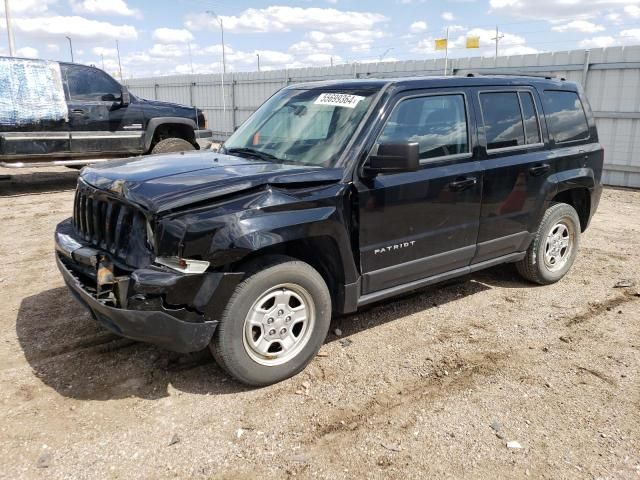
x: 332, y: 196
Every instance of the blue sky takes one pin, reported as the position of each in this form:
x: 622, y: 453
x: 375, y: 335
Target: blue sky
x: 164, y: 37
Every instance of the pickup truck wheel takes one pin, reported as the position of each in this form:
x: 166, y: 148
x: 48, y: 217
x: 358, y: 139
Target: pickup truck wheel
x: 554, y: 247
x: 169, y: 145
x: 274, y: 323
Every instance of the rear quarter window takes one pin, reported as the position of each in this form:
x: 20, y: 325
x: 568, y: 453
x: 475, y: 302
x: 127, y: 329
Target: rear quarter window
x: 565, y: 116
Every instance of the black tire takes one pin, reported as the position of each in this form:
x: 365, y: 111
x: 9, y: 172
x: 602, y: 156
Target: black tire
x: 536, y: 266
x: 232, y: 346
x: 170, y: 145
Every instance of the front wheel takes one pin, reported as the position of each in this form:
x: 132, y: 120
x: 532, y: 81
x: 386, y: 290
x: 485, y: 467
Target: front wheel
x: 554, y: 247
x: 172, y: 145
x: 274, y: 323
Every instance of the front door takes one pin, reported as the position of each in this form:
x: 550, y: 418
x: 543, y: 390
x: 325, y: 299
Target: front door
x: 98, y: 120
x: 421, y: 224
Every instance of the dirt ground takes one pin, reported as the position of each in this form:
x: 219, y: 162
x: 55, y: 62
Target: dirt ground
x: 431, y: 385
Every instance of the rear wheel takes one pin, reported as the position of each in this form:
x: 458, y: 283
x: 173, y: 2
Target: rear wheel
x: 274, y: 323
x: 554, y: 248
x: 169, y: 145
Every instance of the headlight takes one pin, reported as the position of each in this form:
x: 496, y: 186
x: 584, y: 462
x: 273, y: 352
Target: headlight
x: 183, y: 265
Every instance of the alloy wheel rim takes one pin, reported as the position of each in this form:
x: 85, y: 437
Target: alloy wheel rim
x: 279, y: 324
x: 558, y: 246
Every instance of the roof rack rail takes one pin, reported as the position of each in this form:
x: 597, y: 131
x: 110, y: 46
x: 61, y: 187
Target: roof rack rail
x: 515, y: 74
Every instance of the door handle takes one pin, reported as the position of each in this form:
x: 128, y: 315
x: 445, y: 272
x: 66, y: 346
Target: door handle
x: 77, y: 111
x: 461, y: 184
x: 539, y: 170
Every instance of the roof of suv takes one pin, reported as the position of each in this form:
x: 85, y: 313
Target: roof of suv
x: 434, y: 82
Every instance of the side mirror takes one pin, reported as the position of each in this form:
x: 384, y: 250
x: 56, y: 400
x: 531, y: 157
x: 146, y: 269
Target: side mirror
x: 126, y: 97
x: 394, y: 158
x: 109, y: 97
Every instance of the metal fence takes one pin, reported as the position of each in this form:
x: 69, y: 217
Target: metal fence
x: 611, y: 77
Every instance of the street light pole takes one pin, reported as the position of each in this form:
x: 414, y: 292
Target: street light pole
x: 70, y: 47
x: 499, y: 36
x: 224, y: 60
x: 385, y: 53
x: 258, y: 55
x: 119, y: 63
x: 7, y: 14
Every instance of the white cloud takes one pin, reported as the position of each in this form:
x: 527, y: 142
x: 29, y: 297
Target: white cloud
x: 52, y: 47
x: 579, y: 26
x: 598, y: 42
x: 284, y: 18
x: 272, y: 57
x: 322, y: 59
x: 632, y: 10
x: 75, y: 27
x: 353, y: 38
x: 418, y: 27
x: 168, y: 50
x: 448, y: 16
x: 630, y: 36
x: 424, y: 46
x: 554, y: 10
x: 172, y: 35
x: 307, y: 48
x: 107, y: 52
x: 27, y: 52
x: 32, y: 7
x: 519, y: 50
x: 103, y: 7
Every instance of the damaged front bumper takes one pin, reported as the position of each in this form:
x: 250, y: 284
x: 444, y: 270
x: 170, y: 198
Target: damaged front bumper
x: 176, y: 311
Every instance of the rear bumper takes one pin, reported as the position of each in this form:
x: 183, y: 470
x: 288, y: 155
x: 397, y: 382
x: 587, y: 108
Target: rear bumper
x: 204, y: 138
x: 138, y: 304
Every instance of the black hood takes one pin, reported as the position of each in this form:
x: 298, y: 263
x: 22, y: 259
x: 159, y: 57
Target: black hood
x: 163, y: 182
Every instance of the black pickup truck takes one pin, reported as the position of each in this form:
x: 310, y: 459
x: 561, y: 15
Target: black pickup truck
x: 333, y: 196
x: 67, y: 114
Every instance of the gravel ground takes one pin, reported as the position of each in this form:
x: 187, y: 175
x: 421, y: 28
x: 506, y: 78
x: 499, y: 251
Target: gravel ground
x: 434, y: 384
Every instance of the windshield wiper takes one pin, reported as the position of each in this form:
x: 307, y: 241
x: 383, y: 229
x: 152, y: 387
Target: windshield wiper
x: 252, y: 153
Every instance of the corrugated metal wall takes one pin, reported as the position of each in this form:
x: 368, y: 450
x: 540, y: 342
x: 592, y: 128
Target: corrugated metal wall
x: 611, y: 77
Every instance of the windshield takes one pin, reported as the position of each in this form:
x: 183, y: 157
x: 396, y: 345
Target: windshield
x: 306, y: 127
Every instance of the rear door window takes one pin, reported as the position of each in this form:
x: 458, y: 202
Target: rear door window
x: 531, y: 124
x: 565, y: 116
x: 502, y: 117
x: 438, y: 123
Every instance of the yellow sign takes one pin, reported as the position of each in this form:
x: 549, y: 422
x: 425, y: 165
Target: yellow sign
x: 441, y: 44
x: 473, y: 42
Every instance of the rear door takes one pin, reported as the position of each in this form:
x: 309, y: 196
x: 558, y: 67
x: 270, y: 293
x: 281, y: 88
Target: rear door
x: 98, y: 120
x: 420, y: 224
x: 517, y: 164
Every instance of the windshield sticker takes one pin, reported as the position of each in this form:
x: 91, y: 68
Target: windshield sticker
x: 339, y: 100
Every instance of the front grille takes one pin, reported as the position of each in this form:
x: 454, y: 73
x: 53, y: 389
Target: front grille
x: 111, y: 225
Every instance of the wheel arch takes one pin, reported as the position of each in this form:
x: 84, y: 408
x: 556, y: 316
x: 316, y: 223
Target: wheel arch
x: 322, y: 253
x: 185, y: 128
x: 575, y: 188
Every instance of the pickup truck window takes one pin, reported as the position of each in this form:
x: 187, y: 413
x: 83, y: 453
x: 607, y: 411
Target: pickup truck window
x: 89, y: 84
x: 305, y: 127
x: 438, y: 123
x: 567, y: 120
